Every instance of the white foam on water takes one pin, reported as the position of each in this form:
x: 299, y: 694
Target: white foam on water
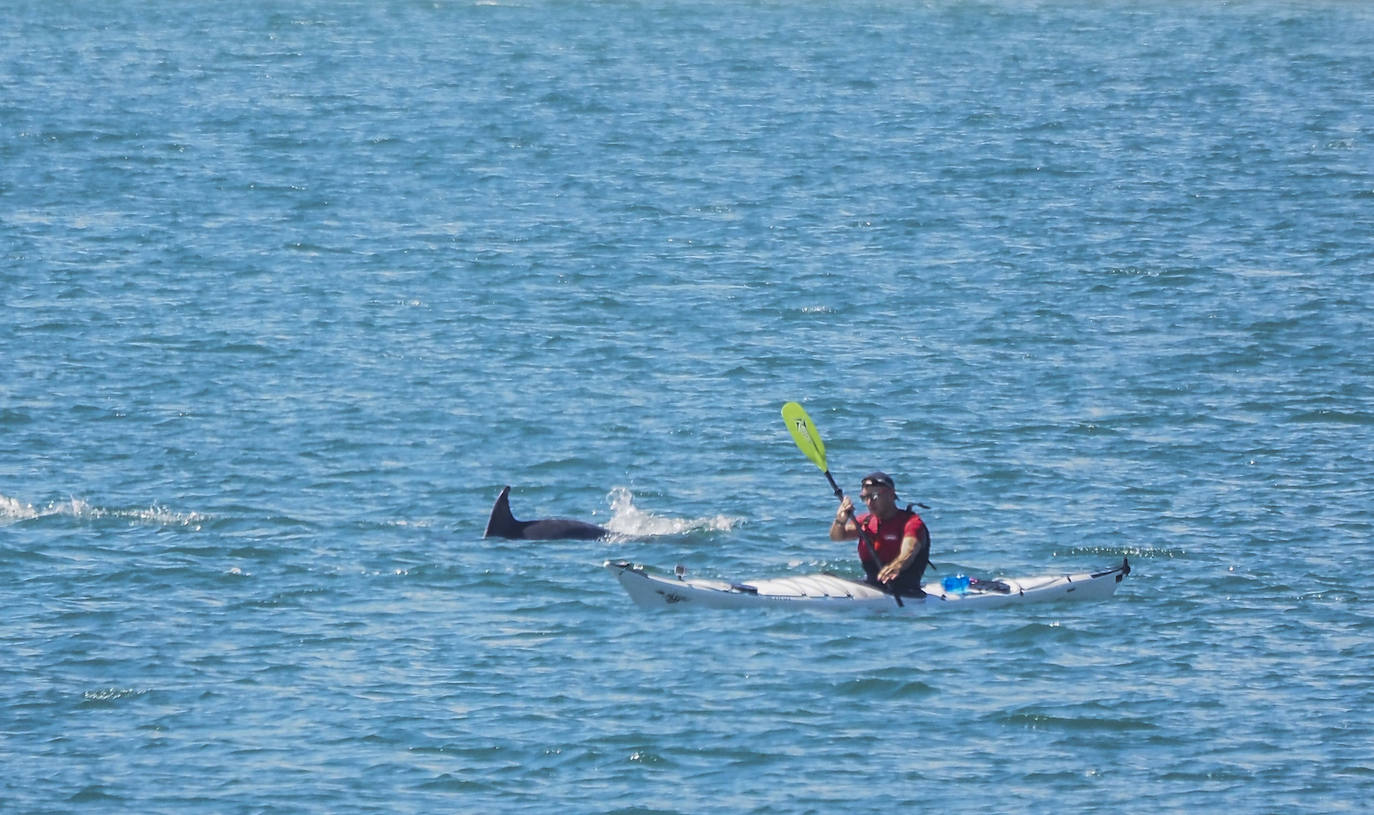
x: 628, y: 520
x: 13, y: 510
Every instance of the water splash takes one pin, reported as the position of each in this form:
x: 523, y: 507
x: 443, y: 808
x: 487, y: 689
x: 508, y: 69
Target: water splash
x: 13, y: 511
x: 629, y: 521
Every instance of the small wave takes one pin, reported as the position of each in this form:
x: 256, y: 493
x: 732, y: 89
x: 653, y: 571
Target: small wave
x: 162, y: 516
x: 94, y: 793
x: 1135, y: 552
x: 106, y: 696
x: 1092, y: 719
x: 630, y: 521
x: 1336, y: 417
x: 873, y: 688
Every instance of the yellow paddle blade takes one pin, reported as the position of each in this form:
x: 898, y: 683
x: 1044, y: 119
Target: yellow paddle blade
x: 804, y: 433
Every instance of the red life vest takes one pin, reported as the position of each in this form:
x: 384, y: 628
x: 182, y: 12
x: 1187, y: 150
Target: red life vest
x: 887, y: 538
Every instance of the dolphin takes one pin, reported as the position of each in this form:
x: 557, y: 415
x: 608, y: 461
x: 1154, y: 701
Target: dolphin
x: 502, y: 524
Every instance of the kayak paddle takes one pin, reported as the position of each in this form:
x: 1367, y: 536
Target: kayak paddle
x: 804, y: 433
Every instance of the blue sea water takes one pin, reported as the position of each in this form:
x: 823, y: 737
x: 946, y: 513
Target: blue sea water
x: 288, y: 291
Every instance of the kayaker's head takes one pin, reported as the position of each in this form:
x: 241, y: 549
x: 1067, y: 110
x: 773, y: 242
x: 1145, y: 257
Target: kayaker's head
x: 878, y: 494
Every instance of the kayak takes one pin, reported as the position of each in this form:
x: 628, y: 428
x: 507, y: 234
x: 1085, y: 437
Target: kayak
x: 652, y: 589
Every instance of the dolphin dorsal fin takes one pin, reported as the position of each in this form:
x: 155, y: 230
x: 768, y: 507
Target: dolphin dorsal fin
x: 502, y: 523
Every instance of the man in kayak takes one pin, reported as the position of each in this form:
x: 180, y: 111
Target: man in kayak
x: 899, y: 536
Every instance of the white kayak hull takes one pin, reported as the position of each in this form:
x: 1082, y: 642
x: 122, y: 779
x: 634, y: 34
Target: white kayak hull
x: 652, y: 589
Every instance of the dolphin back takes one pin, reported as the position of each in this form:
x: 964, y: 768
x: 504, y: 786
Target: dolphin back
x: 502, y: 524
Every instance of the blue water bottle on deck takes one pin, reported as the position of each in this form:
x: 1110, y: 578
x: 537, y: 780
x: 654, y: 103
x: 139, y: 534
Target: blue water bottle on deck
x: 956, y: 584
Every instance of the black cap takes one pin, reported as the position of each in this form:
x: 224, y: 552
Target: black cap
x: 879, y: 478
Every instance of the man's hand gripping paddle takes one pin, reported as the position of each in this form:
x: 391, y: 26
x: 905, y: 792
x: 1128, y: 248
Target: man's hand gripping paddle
x: 804, y: 433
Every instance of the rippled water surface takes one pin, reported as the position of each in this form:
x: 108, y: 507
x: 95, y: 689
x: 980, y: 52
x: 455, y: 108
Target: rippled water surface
x: 290, y: 290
